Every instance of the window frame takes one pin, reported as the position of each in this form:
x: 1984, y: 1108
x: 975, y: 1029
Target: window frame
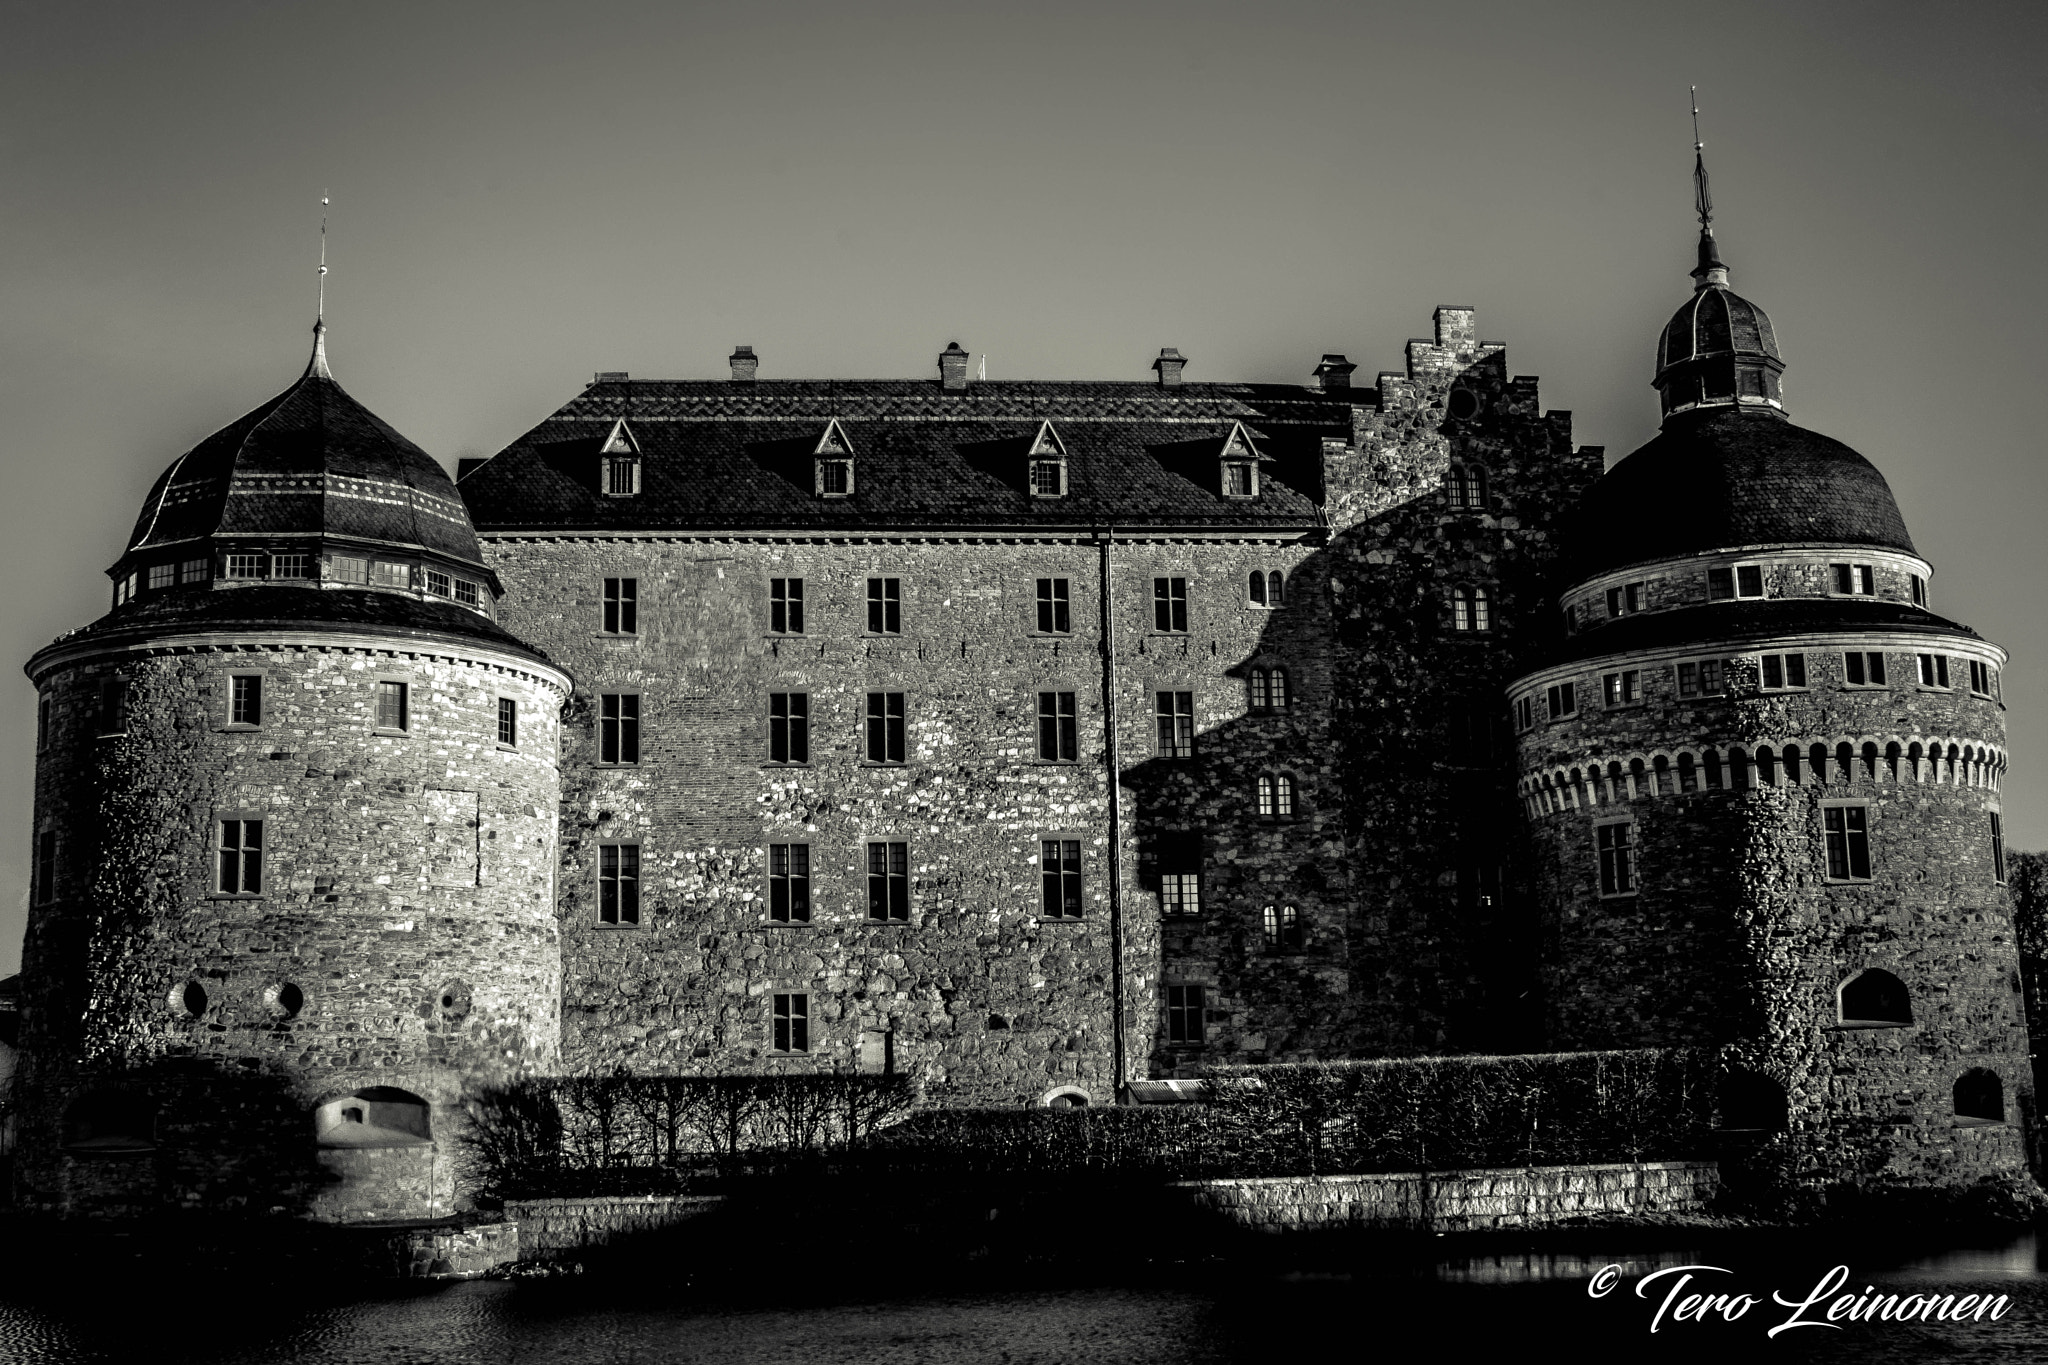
x: 1981, y: 673
x: 1626, y: 865
x: 161, y: 576
x: 1243, y: 470
x: 1998, y: 860
x: 786, y: 606
x: 1282, y: 929
x: 1173, y: 746
x: 1762, y: 585
x: 1276, y: 796
x: 1053, y: 603
x: 611, y: 464
x: 258, y: 678
x: 1471, y: 609
x: 789, y: 1023
x: 1561, y: 700
x: 508, y: 722
x: 45, y: 873
x: 1066, y: 729
x: 1786, y: 668
x: 1621, y: 688
x: 625, y: 886
x: 1065, y: 844
x: 1834, y: 810
x: 1187, y: 1013
x: 637, y: 720
x: 1852, y: 580
x: 405, y: 705
x: 901, y: 729
x: 1171, y: 604
x: 249, y: 866
x: 1039, y: 463
x: 787, y: 881
x: 788, y: 716
x: 1691, y: 685
x: 822, y: 464
x: 879, y: 602
x: 889, y: 900
x: 1870, y: 664
x: 619, y: 606
x: 1933, y: 673
x: 1917, y: 589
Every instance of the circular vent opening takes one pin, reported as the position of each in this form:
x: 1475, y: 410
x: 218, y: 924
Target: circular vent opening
x: 191, y: 998
x: 1463, y: 404
x: 452, y: 1000
x: 285, y: 1000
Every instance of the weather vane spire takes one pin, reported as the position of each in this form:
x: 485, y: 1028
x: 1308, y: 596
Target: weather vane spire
x: 1702, y: 200
x: 318, y: 365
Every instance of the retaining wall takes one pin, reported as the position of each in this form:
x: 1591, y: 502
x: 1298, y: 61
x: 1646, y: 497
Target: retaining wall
x: 550, y: 1229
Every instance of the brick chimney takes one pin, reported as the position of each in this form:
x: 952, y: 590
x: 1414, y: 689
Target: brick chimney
x: 1169, y: 367
x: 953, y: 368
x: 743, y: 363
x: 1334, y: 373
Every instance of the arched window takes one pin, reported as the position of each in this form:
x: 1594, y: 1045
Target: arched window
x: 1710, y: 761
x: 1259, y: 689
x: 1662, y: 767
x: 1766, y: 767
x: 1980, y: 1095
x: 1257, y: 586
x: 1470, y: 609
x: 1468, y: 487
x: 1281, y: 926
x: 1875, y: 997
x: 1791, y: 765
x: 1750, y: 1103
x: 1282, y: 697
x: 1268, y: 800
x: 1688, y: 775
x: 110, y: 1123
x: 1276, y: 589
x: 1283, y: 793
x: 377, y: 1116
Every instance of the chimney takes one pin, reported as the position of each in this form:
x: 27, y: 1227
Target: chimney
x: 743, y: 362
x: 609, y: 377
x: 1169, y: 366
x: 953, y: 368
x: 1334, y: 373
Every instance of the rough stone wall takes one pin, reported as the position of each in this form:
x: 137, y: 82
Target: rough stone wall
x: 1440, y: 956
x: 398, y: 869
x: 555, y: 1229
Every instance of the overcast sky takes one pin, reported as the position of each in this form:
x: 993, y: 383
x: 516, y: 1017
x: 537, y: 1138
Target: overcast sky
x: 527, y: 193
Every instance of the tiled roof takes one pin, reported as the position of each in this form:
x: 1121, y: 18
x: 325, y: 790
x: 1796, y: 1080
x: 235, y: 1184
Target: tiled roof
x: 312, y: 459
x: 739, y: 456
x: 278, y: 608
x: 1772, y: 618
x: 1727, y: 478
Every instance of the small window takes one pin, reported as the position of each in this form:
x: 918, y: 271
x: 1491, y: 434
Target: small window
x: 467, y: 593
x: 1468, y: 487
x: 1240, y: 479
x: 1863, y: 668
x: 1720, y: 584
x: 1855, y: 579
x: 44, y: 705
x: 241, y: 858
x: 1749, y: 580
x: 1703, y: 678
x: 1615, y: 844
x: 889, y: 881
x: 439, y: 584
x: 113, y: 707
x: 1563, y: 700
x: 1180, y: 893
x: 789, y: 883
x: 291, y: 566
x: 198, y: 571
x: 1848, y: 841
x: 508, y: 722
x: 1275, y: 795
x: 1997, y: 848
x: 1980, y: 1095
x: 1933, y: 670
x: 1170, y: 606
x: 1256, y: 588
x: 162, y: 576
x: 124, y: 589
x: 621, y: 475
x: 622, y: 606
x: 1919, y: 587
x: 1054, y: 617
x: 1470, y: 609
x: 1276, y: 588
x: 885, y: 720
x: 1525, y: 712
x: 789, y: 727
x: 1980, y: 678
x: 1620, y: 689
x: 1280, y: 925
x: 786, y: 606
x: 347, y: 569
x: 791, y: 1027
x: 1625, y: 600
x: 1875, y: 997
x: 618, y: 883
x: 885, y: 606
x: 1058, y: 737
x: 1778, y: 671
x: 245, y: 699
x: 1048, y: 479
x: 1175, y: 714
x: 618, y: 729
x: 248, y: 566
x: 392, y: 706
x: 1185, y: 1007
x: 1267, y: 689
x: 835, y: 478
x: 46, y: 867
x: 1059, y: 869
x: 388, y: 575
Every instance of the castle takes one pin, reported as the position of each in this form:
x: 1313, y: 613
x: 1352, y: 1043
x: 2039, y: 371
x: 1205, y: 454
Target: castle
x: 1030, y: 738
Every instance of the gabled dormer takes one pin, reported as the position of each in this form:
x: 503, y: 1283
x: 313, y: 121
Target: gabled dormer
x: 1239, y: 464
x: 1047, y: 463
x: 618, y: 463
x: 833, y: 462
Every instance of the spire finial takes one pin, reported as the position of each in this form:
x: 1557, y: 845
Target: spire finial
x: 1710, y: 273
x: 318, y: 365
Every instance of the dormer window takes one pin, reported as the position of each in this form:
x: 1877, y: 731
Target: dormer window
x: 1240, y: 464
x: 619, y: 463
x: 834, y: 459
x: 1048, y: 464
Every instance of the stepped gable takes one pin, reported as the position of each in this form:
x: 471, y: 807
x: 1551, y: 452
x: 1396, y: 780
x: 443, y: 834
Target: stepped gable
x: 311, y: 460
x: 719, y: 454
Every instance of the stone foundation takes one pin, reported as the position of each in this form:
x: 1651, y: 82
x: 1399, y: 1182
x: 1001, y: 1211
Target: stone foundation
x: 553, y: 1229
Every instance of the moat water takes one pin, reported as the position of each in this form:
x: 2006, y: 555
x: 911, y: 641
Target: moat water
x: 1530, y: 1301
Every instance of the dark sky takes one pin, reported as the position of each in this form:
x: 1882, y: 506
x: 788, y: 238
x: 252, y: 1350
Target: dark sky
x: 525, y: 193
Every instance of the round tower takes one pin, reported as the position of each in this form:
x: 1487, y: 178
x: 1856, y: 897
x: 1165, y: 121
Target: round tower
x: 1763, y: 783
x: 295, y: 824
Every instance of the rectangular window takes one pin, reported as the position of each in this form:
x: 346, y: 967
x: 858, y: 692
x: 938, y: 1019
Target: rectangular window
x: 618, y: 883
x: 622, y: 606
x: 889, y: 881
x: 885, y: 727
x: 196, y: 571
x: 1919, y: 586
x: 786, y: 606
x: 1175, y: 713
x: 1525, y: 712
x: 43, y: 706
x: 439, y: 584
x: 1704, y: 678
x: 1058, y: 735
x: 1048, y: 478
x: 789, y: 883
x: 885, y: 606
x: 241, y: 858
x: 1624, y: 600
x: 835, y: 478
x: 1053, y: 618
x: 1782, y: 670
x: 1720, y: 584
x: 290, y: 566
x: 1237, y: 480
x: 1848, y: 838
x: 113, y: 708
x: 1857, y: 579
x: 1619, y: 689
x: 1185, y: 1006
x: 387, y: 575
x: 245, y: 699
x: 391, y: 706
x: 1749, y: 580
x: 1997, y: 847
x: 1863, y: 669
x: 1170, y: 606
x: 1563, y: 700
x: 789, y: 727
x: 1980, y: 678
x: 467, y: 593
x: 792, y: 1023
x: 124, y: 589
x: 618, y: 728
x: 1180, y: 893
x: 46, y: 866
x: 248, y: 566
x: 508, y: 722
x: 347, y: 569
x: 162, y: 576
x: 1059, y: 867
x: 1934, y: 670
x: 1616, y: 845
